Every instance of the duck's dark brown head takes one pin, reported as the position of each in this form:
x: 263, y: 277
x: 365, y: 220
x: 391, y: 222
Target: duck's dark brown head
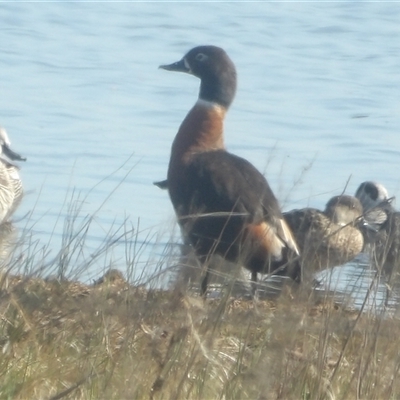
x: 214, y: 68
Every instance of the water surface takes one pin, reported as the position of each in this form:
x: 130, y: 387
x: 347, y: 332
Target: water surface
x: 317, y: 108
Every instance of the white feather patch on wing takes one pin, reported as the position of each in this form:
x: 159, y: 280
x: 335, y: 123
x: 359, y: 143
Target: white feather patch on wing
x: 286, y: 235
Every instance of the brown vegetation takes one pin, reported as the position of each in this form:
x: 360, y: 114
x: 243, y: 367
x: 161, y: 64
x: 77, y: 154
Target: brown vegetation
x: 62, y: 339
x: 109, y: 340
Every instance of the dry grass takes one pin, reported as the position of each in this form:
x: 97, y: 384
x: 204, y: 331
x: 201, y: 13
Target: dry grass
x: 62, y: 339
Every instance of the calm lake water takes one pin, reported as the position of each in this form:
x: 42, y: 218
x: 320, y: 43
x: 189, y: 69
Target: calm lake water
x: 317, y: 108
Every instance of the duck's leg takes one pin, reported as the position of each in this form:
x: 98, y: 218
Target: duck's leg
x: 204, y: 261
x: 254, y: 279
x: 204, y: 284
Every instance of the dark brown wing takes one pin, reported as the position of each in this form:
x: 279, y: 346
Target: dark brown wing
x: 218, y: 181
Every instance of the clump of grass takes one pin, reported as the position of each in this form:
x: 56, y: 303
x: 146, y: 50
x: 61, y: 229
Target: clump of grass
x: 114, y: 340
x: 130, y: 339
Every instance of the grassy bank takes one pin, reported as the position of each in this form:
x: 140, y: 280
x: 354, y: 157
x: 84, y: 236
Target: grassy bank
x: 62, y: 339
x: 110, y: 340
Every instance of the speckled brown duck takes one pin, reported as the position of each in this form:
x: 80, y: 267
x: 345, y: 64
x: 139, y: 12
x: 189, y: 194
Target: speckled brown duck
x: 330, y: 237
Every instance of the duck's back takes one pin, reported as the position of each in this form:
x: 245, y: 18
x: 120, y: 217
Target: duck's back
x: 220, y: 181
x: 322, y: 243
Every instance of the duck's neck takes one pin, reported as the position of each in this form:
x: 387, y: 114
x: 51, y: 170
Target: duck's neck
x: 201, y: 131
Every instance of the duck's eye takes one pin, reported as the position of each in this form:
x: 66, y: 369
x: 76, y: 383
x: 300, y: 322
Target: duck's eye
x: 201, y: 57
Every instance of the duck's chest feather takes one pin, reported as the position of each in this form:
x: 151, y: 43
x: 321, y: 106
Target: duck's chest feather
x: 201, y: 130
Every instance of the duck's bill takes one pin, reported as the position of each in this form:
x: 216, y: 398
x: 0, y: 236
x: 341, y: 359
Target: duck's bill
x: 389, y: 204
x: 12, y: 155
x: 179, y: 66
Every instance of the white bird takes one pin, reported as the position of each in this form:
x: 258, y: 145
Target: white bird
x: 384, y: 237
x: 11, y: 190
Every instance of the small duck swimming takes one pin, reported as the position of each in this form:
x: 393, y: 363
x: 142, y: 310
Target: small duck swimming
x: 376, y: 203
x: 223, y: 203
x: 329, y: 238
x: 11, y: 190
x: 371, y: 194
x: 384, y: 238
